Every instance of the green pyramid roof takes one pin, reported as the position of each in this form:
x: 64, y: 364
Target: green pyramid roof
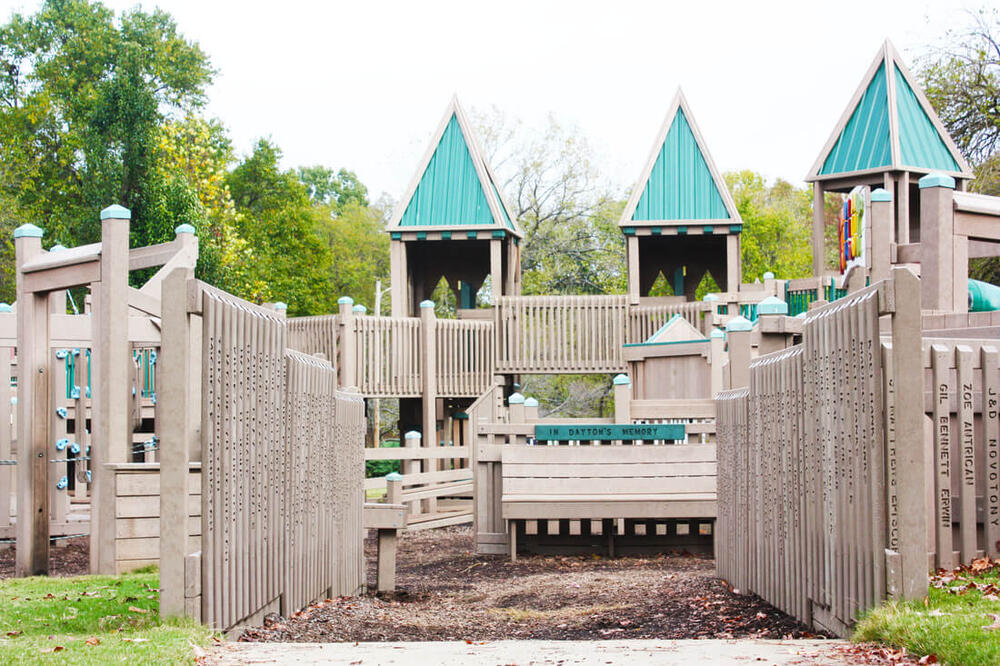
x: 680, y: 181
x: 888, y: 126
x: 454, y: 187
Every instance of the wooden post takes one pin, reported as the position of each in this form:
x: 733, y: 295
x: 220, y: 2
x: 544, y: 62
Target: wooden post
x: 388, y: 538
x: 718, y: 345
x: 881, y: 228
x: 819, y: 227
x: 632, y: 263
x: 411, y: 466
x: 496, y: 269
x: 348, y: 343
x: 428, y: 370
x: 281, y: 308
x: 516, y: 404
x: 530, y: 410
x: 738, y: 332
x: 623, y: 399
x: 908, y: 382
x: 32, y: 413
x: 733, y: 263
x: 937, y: 242
x: 902, y: 217
x: 399, y: 281
x: 175, y: 411
x: 769, y: 310
x: 112, y: 438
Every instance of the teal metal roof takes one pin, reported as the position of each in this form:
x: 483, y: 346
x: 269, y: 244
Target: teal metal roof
x: 864, y: 142
x: 680, y: 185
x: 920, y: 144
x: 872, y: 139
x: 450, y: 192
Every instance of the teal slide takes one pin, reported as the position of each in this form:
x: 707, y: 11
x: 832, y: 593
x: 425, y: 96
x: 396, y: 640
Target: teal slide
x: 983, y: 296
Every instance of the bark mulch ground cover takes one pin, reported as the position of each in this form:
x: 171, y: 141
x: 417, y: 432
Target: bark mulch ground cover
x: 67, y: 557
x: 446, y: 592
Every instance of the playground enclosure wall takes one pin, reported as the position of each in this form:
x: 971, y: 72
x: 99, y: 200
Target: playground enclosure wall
x: 830, y: 455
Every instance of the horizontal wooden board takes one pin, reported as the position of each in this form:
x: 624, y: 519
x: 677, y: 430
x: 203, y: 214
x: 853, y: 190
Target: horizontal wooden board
x: 610, y: 432
x: 599, y: 486
x: 147, y: 548
x: 424, y: 477
x: 609, y: 470
x: 608, y: 454
x: 149, y: 507
x: 148, y: 483
x: 586, y: 507
x: 132, y: 528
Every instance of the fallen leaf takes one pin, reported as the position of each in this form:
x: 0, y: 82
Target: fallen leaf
x: 13, y: 634
x: 137, y: 610
x: 93, y: 640
x: 56, y: 648
x: 928, y: 659
x: 135, y: 640
x: 995, y: 624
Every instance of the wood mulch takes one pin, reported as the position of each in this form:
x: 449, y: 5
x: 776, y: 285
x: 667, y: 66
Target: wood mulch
x: 67, y: 557
x: 446, y: 592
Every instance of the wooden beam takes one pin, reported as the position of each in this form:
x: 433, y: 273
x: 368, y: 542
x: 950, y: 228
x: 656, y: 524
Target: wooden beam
x: 819, y: 228
x: 152, y: 255
x: 62, y: 277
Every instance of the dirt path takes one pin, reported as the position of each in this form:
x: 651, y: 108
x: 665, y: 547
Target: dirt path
x: 447, y: 593
x: 69, y: 557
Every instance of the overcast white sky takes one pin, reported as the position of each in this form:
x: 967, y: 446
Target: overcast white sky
x: 362, y: 84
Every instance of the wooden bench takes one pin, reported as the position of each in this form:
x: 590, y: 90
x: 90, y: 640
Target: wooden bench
x: 599, y: 482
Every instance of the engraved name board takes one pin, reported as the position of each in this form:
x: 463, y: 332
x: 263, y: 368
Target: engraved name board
x: 610, y: 432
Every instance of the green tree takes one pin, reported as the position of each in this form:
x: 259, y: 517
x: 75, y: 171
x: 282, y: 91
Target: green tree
x: 82, y: 97
x: 359, y: 249
x: 777, y: 226
x: 291, y: 262
x: 338, y: 189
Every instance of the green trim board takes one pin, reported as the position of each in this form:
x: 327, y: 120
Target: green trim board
x: 889, y: 125
x: 680, y: 181
x: 453, y: 187
x: 609, y: 433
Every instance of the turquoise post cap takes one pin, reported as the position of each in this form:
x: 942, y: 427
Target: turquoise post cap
x: 360, y: 309
x: 426, y: 304
x: 345, y: 300
x: 280, y: 305
x: 28, y: 231
x: 517, y: 387
x: 621, y: 380
x: 710, y: 297
x: 57, y: 248
x: 717, y: 333
x: 413, y: 434
x: 880, y: 195
x: 5, y: 307
x: 183, y: 229
x: 739, y: 324
x: 460, y: 415
x: 116, y: 212
x: 768, y: 275
x: 530, y: 402
x: 516, y: 399
x: 772, y: 306
x: 393, y: 476
x: 936, y: 179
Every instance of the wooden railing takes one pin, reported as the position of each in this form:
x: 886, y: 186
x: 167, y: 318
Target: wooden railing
x: 821, y: 468
x: 645, y: 320
x: 465, y: 352
x: 316, y: 335
x: 388, y: 356
x: 556, y: 334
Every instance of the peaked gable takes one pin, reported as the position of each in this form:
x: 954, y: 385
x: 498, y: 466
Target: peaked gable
x: 680, y: 181
x: 888, y: 126
x: 677, y: 329
x: 453, y: 187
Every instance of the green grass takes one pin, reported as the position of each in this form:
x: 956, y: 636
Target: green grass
x: 49, y: 621
x: 949, y: 624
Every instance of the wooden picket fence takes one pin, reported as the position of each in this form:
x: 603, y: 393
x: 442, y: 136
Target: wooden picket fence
x: 281, y: 459
x: 645, y: 320
x: 822, y: 500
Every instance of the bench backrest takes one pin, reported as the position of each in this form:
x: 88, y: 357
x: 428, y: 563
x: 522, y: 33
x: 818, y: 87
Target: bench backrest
x: 608, y: 470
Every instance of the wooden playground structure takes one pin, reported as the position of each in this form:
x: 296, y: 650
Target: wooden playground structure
x: 180, y: 425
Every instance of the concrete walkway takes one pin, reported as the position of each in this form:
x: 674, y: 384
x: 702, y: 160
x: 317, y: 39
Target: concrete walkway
x: 563, y: 653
